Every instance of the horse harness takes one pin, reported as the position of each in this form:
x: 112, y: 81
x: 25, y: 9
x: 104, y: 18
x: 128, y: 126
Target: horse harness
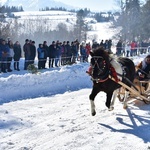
x: 111, y: 72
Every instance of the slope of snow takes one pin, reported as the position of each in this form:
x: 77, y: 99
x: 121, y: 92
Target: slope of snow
x: 45, y: 83
x: 51, y: 111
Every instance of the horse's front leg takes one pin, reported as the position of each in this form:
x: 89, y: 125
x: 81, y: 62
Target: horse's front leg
x: 108, y: 100
x: 92, y: 97
x: 93, y: 112
x: 114, y: 96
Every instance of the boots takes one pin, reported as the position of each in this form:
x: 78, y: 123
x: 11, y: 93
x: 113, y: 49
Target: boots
x: 18, y: 66
x: 15, y: 64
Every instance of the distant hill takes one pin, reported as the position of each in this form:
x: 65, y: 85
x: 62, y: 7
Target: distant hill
x: 35, y: 5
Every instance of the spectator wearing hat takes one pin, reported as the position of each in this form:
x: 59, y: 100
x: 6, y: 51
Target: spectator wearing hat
x: 143, y: 68
x: 27, y: 53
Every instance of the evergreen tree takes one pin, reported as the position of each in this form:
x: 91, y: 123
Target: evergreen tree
x: 145, y: 21
x: 129, y: 19
x: 80, y: 25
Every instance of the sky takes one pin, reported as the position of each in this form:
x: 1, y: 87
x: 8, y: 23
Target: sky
x: 97, y: 5
x: 51, y: 111
x: 93, y: 5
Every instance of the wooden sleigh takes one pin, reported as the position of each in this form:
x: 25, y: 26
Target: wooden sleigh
x: 140, y: 90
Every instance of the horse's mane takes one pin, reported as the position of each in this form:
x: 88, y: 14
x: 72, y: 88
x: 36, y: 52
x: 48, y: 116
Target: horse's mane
x: 100, y: 51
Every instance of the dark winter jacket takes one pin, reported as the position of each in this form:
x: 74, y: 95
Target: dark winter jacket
x: 52, y: 51
x: 33, y: 52
x: 17, y: 52
x: 4, y: 49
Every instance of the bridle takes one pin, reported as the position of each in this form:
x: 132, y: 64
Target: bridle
x: 101, y: 77
x: 96, y: 63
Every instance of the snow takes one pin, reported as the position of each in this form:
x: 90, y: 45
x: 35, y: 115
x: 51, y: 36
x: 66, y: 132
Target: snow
x: 51, y: 111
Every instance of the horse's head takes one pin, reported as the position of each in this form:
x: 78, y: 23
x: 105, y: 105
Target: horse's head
x: 100, y: 64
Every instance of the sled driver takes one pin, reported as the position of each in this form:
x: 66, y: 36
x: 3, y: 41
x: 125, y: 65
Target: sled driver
x: 143, y: 68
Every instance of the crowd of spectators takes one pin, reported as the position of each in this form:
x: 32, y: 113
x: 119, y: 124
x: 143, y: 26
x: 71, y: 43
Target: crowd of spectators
x: 133, y: 48
x: 55, y: 54
x: 59, y: 53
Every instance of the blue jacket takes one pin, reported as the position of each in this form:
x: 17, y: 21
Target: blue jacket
x: 4, y: 49
x: 40, y: 53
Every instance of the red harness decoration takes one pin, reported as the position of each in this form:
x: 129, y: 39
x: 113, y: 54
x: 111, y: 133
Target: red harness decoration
x: 89, y: 70
x: 112, y: 70
x: 114, y: 73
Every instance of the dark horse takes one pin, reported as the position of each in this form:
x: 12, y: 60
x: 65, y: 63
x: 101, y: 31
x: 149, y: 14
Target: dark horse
x: 102, y: 67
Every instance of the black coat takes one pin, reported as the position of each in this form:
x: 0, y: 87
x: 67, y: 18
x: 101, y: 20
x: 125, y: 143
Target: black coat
x: 52, y: 51
x: 33, y: 52
x: 17, y: 52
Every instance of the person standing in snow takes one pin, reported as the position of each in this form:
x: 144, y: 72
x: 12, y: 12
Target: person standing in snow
x: 119, y: 48
x: 51, y: 53
x: 10, y: 55
x: 4, y: 49
x: 33, y: 52
x: 27, y: 53
x: 40, y: 51
x: 17, y: 55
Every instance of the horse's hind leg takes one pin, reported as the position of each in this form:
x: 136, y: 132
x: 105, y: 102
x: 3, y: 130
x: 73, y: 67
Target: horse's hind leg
x: 92, y: 97
x: 125, y: 105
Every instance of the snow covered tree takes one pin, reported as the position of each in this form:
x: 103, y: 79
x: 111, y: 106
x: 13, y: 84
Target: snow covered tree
x: 80, y: 27
x: 129, y: 19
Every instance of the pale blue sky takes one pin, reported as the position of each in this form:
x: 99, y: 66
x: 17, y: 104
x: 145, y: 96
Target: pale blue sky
x: 98, y: 5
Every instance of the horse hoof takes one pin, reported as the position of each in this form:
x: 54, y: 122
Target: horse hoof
x: 93, y: 113
x: 125, y: 107
x: 111, y: 108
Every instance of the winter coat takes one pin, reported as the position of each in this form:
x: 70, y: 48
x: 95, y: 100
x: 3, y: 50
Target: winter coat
x: 4, y: 49
x: 52, y: 51
x: 26, y: 49
x: 10, y: 53
x: 40, y: 53
x: 46, y: 51
x: 58, y: 50
x: 143, y: 68
x: 119, y: 48
x: 32, y: 52
x: 17, y: 52
x: 83, y: 51
x: 69, y: 52
x: 74, y: 49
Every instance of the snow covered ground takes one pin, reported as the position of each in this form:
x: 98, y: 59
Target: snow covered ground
x: 51, y: 111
